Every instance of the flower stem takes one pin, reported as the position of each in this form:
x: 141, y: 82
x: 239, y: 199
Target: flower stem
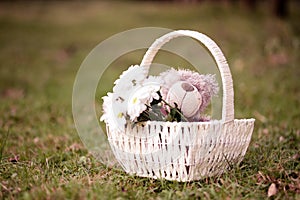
x: 177, y: 110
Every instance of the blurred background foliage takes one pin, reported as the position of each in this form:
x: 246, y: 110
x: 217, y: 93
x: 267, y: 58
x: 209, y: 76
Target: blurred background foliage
x: 43, y: 43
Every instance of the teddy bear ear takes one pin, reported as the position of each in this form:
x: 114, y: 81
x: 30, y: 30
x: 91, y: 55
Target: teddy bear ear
x: 211, y: 84
x: 187, y: 87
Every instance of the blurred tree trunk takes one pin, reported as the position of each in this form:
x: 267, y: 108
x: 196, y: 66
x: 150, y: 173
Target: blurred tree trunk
x: 188, y: 1
x: 281, y: 8
x: 251, y: 4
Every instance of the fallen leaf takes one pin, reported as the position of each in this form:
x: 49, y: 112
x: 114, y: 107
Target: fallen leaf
x: 14, y: 159
x: 260, y: 117
x: 272, y: 190
x: 36, y: 140
x: 256, y: 145
x: 61, y: 120
x: 294, y: 187
x: 296, y: 156
x: 265, y: 131
x: 13, y: 110
x: 4, y: 186
x: 278, y: 58
x: 259, y: 179
x: 74, y: 147
x: 13, y: 93
x: 61, y: 56
x: 281, y: 139
x: 14, y: 175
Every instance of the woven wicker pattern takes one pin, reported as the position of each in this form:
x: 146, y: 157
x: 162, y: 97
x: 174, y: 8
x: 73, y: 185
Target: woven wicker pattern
x: 185, y: 151
x: 170, y: 154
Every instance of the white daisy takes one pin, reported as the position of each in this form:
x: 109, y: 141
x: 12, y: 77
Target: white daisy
x: 140, y: 99
x: 153, y: 80
x: 130, y: 78
x: 132, y: 93
x: 111, y: 115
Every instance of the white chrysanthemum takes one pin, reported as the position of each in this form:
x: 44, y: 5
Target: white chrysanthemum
x: 111, y: 116
x: 132, y: 93
x: 129, y: 79
x: 142, y: 98
x: 115, y: 104
x: 107, y: 105
x: 153, y: 80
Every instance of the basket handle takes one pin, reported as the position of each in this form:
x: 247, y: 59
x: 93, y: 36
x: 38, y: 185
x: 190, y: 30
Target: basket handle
x: 228, y: 106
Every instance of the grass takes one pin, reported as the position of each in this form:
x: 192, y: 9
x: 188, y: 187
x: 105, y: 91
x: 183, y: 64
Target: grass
x: 42, y: 45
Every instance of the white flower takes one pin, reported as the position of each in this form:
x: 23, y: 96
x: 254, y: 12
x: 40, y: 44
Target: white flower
x: 107, y: 105
x: 142, y: 98
x: 153, y: 80
x: 112, y: 116
x: 132, y: 93
x: 115, y: 104
x: 130, y: 79
x: 135, y: 108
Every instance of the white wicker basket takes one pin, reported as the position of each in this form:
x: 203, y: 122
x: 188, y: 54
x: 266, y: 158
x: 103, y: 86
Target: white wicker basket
x: 185, y: 151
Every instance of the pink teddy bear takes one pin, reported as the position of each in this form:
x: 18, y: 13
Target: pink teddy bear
x: 191, y: 91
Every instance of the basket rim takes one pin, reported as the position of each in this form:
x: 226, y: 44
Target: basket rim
x: 198, y: 123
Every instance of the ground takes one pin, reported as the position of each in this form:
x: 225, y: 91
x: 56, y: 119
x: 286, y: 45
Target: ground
x: 42, y: 45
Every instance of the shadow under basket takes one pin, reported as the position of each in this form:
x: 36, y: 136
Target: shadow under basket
x: 184, y: 151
